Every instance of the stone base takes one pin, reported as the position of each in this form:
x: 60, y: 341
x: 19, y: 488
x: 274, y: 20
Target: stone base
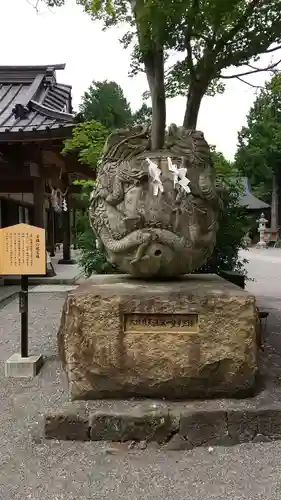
x: 50, y: 272
x: 18, y: 367
x: 174, y: 425
x: 190, y: 338
x: 262, y: 245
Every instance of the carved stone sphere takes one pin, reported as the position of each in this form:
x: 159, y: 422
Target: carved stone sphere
x: 156, y: 214
x: 159, y: 260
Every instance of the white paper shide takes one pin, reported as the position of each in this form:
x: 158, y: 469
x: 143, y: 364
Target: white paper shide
x: 179, y: 176
x: 155, y: 173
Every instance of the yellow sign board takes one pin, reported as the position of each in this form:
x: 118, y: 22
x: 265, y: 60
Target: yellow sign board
x: 22, y: 250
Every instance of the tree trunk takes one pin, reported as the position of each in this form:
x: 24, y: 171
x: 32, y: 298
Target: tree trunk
x: 154, y: 67
x: 278, y: 189
x: 153, y: 59
x: 195, y: 95
x: 274, y: 204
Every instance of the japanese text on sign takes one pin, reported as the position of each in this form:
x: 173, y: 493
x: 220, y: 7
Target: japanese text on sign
x: 161, y: 322
x: 22, y: 250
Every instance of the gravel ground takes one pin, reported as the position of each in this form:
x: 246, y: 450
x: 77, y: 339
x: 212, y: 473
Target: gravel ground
x: 33, y: 468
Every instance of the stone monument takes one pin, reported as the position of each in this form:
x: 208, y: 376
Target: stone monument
x: 157, y: 330
x: 156, y: 214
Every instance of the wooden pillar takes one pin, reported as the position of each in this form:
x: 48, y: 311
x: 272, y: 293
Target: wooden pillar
x: 52, y: 239
x: 39, y: 202
x: 74, y: 233
x: 66, y: 228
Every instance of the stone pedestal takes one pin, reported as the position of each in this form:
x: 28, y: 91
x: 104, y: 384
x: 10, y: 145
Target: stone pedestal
x: 18, y: 367
x: 190, y: 338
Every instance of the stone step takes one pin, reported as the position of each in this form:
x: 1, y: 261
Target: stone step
x: 172, y: 425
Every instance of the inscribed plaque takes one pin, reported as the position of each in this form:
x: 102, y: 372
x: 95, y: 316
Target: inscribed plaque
x: 22, y: 250
x: 137, y: 322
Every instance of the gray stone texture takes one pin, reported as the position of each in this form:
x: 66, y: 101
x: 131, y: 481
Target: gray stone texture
x: 70, y: 423
x: 201, y: 428
x: 133, y: 425
x: 104, y: 358
x: 170, y: 424
x: 152, y: 219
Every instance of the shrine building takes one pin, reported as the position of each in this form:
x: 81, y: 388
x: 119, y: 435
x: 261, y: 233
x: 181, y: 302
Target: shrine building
x: 36, y: 180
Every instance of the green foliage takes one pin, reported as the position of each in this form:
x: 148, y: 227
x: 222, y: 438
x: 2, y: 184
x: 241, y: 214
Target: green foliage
x: 196, y: 39
x: 105, y: 103
x: 87, y: 142
x: 233, y: 227
x: 219, y: 34
x: 207, y: 35
x: 259, y: 149
x: 91, y: 259
x: 54, y: 3
x: 143, y: 115
x: 233, y: 223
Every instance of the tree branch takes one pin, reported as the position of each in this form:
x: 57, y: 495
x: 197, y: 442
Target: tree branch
x: 272, y: 50
x: 230, y: 34
x: 255, y: 67
x: 189, y: 56
x: 252, y: 67
x: 257, y: 70
x: 34, y: 6
x: 188, y: 35
x: 248, y: 83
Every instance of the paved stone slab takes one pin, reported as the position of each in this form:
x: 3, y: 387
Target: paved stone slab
x: 8, y: 293
x: 264, y: 266
x: 70, y: 422
x: 208, y: 427
x: 133, y: 425
x: 53, y: 288
x: 171, y: 425
x: 244, y: 426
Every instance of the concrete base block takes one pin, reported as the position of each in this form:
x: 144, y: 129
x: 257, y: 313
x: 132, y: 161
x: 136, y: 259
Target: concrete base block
x: 18, y: 367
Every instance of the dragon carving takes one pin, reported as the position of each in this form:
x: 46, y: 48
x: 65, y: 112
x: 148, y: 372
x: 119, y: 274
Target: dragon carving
x: 148, y: 233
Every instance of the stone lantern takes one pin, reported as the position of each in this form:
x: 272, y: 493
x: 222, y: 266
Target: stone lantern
x: 262, y: 221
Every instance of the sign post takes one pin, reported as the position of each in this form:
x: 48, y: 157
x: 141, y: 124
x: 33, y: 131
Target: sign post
x: 23, y: 299
x: 23, y: 253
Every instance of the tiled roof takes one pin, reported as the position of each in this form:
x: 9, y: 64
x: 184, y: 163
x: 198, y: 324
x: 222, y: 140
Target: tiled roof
x: 32, y: 100
x: 248, y: 200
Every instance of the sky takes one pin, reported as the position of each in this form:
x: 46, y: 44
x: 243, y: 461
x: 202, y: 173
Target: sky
x: 68, y: 35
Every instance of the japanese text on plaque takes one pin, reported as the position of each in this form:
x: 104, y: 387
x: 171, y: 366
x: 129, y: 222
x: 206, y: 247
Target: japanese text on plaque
x: 22, y: 250
x: 161, y: 322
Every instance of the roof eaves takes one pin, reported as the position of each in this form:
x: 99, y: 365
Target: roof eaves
x: 252, y: 203
x: 60, y: 131
x: 64, y: 86
x: 51, y: 113
x: 15, y: 70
